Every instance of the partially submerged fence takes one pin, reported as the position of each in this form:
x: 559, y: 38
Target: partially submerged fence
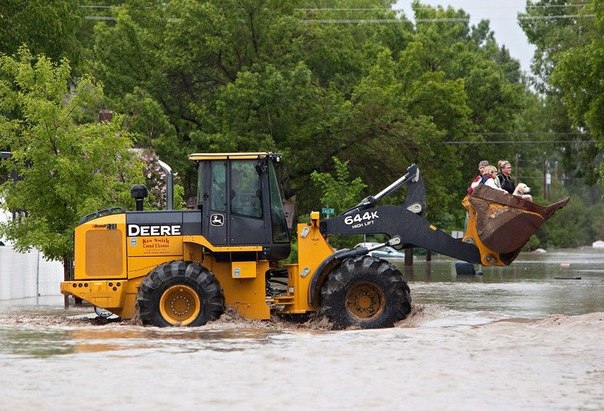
x: 28, y: 275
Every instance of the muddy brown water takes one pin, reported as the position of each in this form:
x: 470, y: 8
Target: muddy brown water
x: 528, y: 336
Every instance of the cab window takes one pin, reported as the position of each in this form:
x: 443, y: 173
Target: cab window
x: 246, y: 190
x: 218, y: 195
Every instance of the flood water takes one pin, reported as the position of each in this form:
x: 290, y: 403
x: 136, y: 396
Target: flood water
x: 535, y: 285
x: 528, y: 336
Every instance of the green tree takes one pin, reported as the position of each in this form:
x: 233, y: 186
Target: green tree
x: 312, y: 80
x: 339, y: 192
x: 578, y: 73
x: 68, y: 163
x: 459, y: 79
x: 49, y: 27
x: 551, y: 25
x: 568, y: 62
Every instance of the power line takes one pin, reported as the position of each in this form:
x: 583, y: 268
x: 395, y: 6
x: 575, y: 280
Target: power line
x: 434, y: 20
x: 552, y: 6
x: 529, y: 133
x: 343, y: 9
x: 565, y: 16
x: 438, y: 20
x: 350, y: 21
x: 103, y: 18
x: 384, y: 21
x: 516, y: 142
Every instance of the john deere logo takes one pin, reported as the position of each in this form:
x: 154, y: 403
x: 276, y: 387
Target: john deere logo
x: 139, y: 230
x: 217, y: 220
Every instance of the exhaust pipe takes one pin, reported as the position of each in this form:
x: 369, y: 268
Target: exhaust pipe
x: 139, y: 192
x: 169, y: 185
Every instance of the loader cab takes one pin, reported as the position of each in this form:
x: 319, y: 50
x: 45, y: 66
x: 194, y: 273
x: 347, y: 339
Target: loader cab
x: 241, y: 202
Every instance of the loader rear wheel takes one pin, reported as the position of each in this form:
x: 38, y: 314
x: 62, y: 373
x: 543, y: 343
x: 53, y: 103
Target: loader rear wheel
x: 179, y: 293
x: 365, y: 292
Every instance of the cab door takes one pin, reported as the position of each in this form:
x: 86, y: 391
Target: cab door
x: 213, y: 199
x: 232, y: 202
x: 247, y: 225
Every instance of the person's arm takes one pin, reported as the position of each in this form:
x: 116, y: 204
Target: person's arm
x: 491, y: 183
x: 476, y: 182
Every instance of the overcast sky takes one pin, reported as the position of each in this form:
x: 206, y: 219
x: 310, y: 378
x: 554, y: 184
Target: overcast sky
x: 502, y: 15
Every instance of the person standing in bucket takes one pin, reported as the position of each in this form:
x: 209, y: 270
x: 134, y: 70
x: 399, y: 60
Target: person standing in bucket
x: 490, y: 178
x: 478, y: 178
x: 505, y: 176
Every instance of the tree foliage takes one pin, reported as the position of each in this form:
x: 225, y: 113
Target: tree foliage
x: 339, y: 192
x: 48, y: 27
x: 68, y: 163
x: 568, y: 62
x: 578, y: 73
x: 350, y: 79
x: 293, y: 77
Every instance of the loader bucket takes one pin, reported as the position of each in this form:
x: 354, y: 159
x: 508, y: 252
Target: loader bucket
x: 499, y: 224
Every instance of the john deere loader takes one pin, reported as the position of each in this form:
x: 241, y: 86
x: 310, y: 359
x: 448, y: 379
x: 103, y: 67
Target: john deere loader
x: 185, y: 267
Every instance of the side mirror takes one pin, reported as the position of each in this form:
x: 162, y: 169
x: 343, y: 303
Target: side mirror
x: 261, y: 167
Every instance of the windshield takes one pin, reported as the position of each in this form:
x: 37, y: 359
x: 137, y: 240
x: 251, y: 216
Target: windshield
x: 279, y: 224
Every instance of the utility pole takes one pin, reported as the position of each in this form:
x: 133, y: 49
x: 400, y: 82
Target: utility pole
x: 547, y: 177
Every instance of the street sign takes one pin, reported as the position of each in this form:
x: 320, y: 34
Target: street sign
x: 328, y: 211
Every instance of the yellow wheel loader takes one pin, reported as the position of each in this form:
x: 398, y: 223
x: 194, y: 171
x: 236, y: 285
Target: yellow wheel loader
x: 185, y: 267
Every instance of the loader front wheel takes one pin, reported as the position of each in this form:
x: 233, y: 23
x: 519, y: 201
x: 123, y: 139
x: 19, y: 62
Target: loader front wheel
x: 179, y: 293
x: 365, y: 292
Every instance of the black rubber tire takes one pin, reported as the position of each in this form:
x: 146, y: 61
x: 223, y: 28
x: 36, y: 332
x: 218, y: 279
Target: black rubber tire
x: 179, y: 293
x: 365, y: 292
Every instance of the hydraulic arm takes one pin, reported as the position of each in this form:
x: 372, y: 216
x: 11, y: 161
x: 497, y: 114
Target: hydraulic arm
x: 499, y: 223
